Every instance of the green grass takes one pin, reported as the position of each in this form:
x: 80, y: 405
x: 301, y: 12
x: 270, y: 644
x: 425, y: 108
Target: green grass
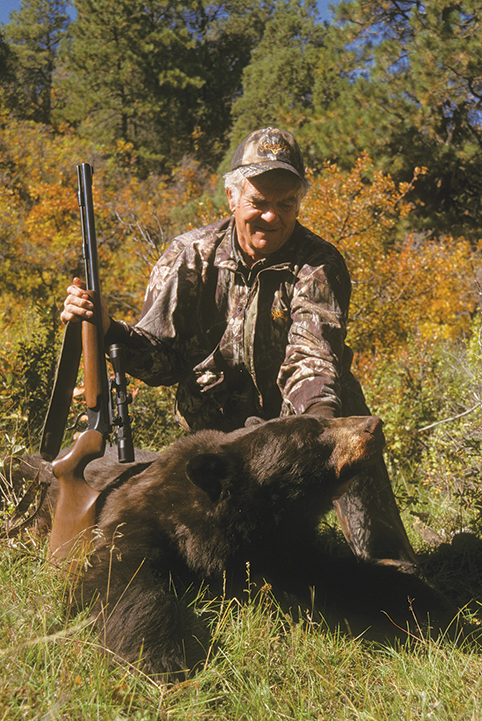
x: 264, y: 665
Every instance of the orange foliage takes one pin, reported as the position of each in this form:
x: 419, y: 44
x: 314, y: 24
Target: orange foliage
x: 403, y: 288
x: 41, y: 245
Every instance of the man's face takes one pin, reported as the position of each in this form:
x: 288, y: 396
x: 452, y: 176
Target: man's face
x: 266, y: 214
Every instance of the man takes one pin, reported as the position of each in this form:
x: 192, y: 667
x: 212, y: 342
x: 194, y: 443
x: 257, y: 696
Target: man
x: 248, y: 315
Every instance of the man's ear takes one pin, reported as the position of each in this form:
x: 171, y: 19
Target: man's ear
x: 207, y: 471
x: 232, y: 204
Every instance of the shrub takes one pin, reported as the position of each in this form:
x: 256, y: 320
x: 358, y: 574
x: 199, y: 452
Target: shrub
x: 27, y: 371
x: 429, y: 399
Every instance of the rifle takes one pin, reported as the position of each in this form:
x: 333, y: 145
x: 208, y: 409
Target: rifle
x: 107, y: 402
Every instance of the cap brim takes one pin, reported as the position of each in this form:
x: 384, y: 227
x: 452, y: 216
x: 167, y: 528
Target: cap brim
x: 250, y: 171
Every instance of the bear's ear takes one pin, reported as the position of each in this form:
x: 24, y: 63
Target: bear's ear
x: 253, y: 421
x: 207, y: 470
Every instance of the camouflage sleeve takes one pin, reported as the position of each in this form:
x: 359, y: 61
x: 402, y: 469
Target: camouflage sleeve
x: 146, y: 357
x: 311, y: 371
x: 159, y: 346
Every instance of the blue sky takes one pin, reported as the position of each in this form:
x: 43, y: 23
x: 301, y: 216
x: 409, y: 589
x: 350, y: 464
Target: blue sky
x: 6, y: 7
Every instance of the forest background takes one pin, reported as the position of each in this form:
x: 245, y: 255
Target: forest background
x: 385, y: 101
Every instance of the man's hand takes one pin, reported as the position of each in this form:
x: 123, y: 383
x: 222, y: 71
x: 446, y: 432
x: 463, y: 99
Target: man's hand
x: 78, y: 306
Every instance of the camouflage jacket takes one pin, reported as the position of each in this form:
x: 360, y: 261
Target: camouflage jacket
x: 265, y: 340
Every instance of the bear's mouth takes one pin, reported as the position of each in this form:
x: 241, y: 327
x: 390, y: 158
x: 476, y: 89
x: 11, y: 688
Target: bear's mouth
x: 364, y: 448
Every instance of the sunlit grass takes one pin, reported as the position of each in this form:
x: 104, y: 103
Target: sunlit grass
x: 261, y: 665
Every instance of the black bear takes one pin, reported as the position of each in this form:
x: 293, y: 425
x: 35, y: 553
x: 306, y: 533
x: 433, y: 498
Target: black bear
x: 215, y: 502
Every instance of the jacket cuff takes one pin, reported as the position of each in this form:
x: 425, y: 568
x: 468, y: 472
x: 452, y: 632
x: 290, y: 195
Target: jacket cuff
x: 117, y: 333
x: 322, y: 410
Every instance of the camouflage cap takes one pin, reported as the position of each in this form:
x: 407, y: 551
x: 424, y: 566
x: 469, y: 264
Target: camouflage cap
x: 268, y: 149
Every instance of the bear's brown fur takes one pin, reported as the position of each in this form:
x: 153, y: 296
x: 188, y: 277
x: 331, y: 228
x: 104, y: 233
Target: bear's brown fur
x: 215, y: 502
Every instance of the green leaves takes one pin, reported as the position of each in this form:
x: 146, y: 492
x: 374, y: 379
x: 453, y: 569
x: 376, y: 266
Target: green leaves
x: 414, y: 95
x: 158, y: 74
x: 34, y: 34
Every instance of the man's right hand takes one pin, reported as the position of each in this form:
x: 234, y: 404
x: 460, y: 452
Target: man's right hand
x: 78, y: 306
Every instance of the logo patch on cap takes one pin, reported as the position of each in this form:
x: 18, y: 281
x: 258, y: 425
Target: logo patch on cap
x: 272, y: 146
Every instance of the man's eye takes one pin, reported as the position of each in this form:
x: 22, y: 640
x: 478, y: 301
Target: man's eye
x: 262, y: 205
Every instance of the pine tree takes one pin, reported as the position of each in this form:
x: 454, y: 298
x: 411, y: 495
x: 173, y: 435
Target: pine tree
x: 159, y: 75
x: 398, y: 79
x: 278, y: 82
x: 33, y: 35
x: 409, y: 92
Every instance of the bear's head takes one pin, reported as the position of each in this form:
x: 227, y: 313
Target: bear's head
x: 285, y: 462
x: 214, y: 497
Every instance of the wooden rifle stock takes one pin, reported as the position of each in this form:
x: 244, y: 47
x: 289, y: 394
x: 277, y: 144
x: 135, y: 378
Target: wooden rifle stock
x: 75, y: 513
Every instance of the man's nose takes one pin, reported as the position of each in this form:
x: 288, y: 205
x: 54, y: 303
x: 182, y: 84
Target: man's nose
x: 270, y: 214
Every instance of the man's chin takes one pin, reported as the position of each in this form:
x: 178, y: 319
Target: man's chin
x: 263, y: 250
x: 268, y: 243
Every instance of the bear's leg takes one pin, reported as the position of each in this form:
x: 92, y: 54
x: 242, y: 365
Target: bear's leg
x: 380, y: 602
x: 367, y: 512
x: 138, y: 614
x: 143, y: 626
